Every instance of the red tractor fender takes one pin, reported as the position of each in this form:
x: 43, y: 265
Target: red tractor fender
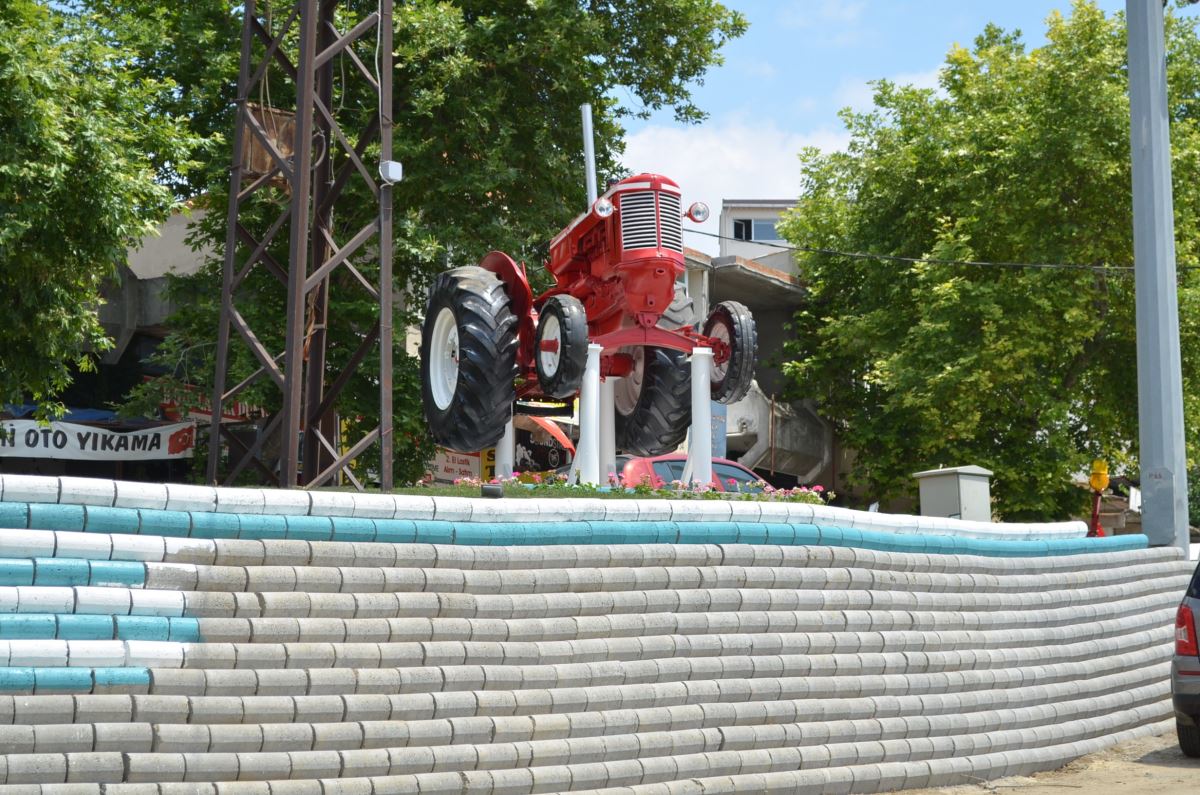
x: 516, y: 284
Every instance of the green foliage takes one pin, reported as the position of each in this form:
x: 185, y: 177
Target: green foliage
x: 1020, y: 156
x: 486, y: 101
x: 76, y: 188
x: 1194, y: 497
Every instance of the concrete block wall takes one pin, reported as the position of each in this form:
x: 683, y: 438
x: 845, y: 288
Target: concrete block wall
x: 162, y: 639
x: 178, y: 498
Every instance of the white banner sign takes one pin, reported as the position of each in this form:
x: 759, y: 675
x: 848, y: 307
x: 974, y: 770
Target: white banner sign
x: 30, y: 439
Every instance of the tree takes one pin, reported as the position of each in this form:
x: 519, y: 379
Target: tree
x: 1020, y: 156
x: 487, y: 96
x: 77, y: 186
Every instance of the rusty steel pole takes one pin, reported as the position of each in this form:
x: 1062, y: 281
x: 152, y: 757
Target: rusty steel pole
x: 303, y: 49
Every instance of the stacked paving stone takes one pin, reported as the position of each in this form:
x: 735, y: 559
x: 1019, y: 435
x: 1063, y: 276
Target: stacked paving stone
x: 169, y: 639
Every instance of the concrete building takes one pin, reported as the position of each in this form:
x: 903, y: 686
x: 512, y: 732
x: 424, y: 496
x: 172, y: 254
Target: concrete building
x: 135, y: 302
x: 764, y: 431
x: 748, y: 229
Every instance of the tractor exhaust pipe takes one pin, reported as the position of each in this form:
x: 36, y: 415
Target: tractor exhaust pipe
x: 589, y: 153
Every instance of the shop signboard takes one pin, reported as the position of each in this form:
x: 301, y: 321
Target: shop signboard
x: 68, y: 440
x: 449, y: 466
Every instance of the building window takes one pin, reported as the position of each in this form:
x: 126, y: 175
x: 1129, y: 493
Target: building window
x: 751, y: 229
x: 765, y: 230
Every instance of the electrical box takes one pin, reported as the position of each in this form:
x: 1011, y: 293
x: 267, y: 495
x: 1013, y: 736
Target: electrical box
x: 391, y: 171
x: 956, y: 493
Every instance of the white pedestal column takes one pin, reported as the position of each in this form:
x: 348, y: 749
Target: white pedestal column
x: 587, y: 455
x: 699, y: 461
x: 608, y: 428
x: 506, y: 451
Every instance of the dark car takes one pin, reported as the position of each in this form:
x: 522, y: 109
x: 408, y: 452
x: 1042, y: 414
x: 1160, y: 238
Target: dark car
x: 1185, y: 671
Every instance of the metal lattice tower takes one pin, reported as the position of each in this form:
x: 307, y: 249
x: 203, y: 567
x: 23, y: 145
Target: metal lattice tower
x: 298, y: 370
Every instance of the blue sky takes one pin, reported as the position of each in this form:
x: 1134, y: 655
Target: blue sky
x: 784, y: 81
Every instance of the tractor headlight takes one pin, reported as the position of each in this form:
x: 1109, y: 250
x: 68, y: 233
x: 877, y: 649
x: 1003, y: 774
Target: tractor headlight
x: 698, y: 212
x: 603, y: 207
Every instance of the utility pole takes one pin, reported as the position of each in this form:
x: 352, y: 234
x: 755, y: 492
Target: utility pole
x: 1160, y: 381
x: 304, y: 48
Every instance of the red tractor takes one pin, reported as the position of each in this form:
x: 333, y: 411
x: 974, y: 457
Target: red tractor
x: 487, y: 343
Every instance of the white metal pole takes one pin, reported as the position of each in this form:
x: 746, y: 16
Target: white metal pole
x: 608, y: 428
x: 589, y: 153
x: 595, y: 400
x: 699, y: 461
x: 1160, y: 383
x: 506, y: 452
x: 589, y: 419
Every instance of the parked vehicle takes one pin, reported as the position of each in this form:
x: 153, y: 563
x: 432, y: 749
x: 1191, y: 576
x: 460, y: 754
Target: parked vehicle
x: 1185, y: 671
x: 662, y: 470
x: 488, y: 343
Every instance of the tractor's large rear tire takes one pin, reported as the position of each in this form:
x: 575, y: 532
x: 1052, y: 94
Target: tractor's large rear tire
x: 682, y: 311
x: 468, y: 359
x: 654, y: 402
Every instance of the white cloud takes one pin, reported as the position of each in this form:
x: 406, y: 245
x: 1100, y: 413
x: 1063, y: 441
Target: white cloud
x: 805, y: 104
x: 854, y: 93
x: 858, y: 94
x: 730, y: 160
x: 824, y: 13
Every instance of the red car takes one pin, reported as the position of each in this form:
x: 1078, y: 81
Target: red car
x: 661, y: 470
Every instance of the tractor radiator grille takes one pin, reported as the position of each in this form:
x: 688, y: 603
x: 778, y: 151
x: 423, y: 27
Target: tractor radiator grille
x: 671, y: 220
x: 639, y: 227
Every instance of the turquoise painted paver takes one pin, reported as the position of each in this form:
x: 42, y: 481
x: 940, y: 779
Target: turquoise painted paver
x: 319, y: 528
x: 57, y: 517
x: 111, y: 520
x: 213, y: 525
x: 72, y: 680
x: 70, y: 571
x: 71, y: 626
x: 16, y: 572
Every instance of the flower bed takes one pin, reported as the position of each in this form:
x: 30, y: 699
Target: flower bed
x: 554, y: 484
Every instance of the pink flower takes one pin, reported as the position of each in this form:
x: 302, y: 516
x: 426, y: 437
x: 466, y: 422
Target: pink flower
x: 818, y: 488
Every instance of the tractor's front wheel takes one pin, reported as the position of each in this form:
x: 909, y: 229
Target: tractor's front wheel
x: 468, y: 359
x: 560, y: 346
x: 731, y: 323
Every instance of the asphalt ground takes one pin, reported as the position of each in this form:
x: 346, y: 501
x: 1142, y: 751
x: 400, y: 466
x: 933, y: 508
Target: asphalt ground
x: 1148, y: 766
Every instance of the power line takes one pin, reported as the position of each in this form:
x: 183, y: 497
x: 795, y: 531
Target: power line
x: 1106, y: 269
